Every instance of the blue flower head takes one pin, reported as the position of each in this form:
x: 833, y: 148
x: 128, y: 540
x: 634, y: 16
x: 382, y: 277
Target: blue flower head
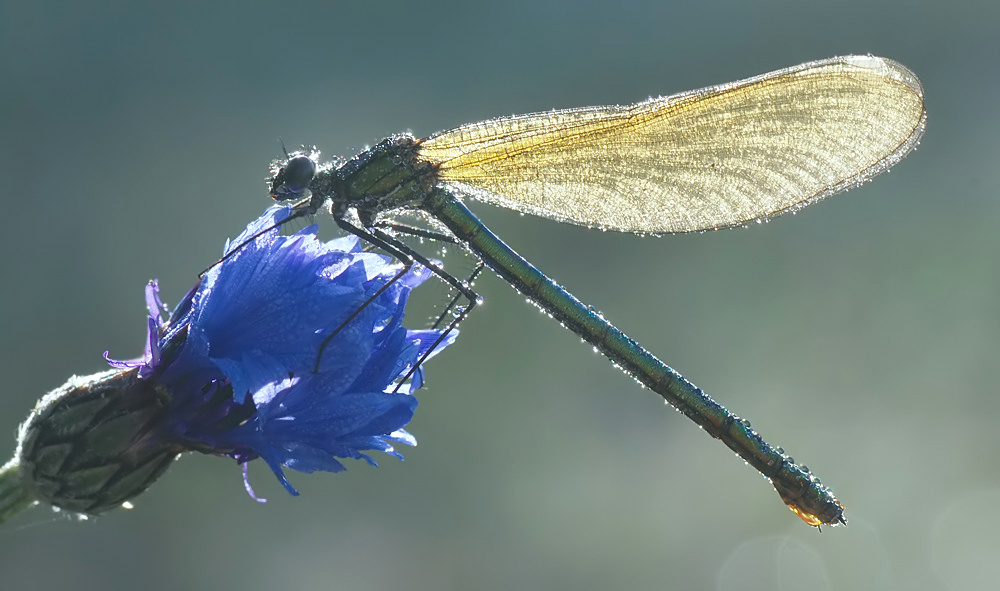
x: 235, y: 371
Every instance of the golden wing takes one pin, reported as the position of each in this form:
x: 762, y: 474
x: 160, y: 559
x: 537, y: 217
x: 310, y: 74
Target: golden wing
x: 706, y: 159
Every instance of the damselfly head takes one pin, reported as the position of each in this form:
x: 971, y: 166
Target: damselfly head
x: 290, y: 179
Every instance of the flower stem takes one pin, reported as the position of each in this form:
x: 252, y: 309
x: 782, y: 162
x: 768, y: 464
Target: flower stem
x: 14, y: 495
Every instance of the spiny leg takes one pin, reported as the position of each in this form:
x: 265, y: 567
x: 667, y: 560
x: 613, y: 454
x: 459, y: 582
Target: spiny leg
x: 388, y: 247
x: 456, y: 320
x: 300, y: 209
x: 451, y: 305
x: 461, y: 286
x: 437, y: 237
x: 407, y: 255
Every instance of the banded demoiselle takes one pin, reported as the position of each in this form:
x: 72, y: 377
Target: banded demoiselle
x: 708, y: 159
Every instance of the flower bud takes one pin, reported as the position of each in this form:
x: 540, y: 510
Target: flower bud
x: 93, y: 443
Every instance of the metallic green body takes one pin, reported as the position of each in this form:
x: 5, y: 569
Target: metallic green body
x: 799, y: 489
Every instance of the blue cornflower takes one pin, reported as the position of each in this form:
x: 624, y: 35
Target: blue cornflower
x: 233, y: 371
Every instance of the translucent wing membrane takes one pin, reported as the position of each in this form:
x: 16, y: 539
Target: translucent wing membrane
x: 706, y: 159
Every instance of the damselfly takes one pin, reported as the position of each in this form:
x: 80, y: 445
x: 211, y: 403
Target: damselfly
x: 708, y: 159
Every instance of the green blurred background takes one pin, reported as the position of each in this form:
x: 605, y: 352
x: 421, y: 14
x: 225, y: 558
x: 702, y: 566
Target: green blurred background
x: 862, y: 334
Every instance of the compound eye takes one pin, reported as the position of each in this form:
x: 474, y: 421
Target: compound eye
x: 293, y: 178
